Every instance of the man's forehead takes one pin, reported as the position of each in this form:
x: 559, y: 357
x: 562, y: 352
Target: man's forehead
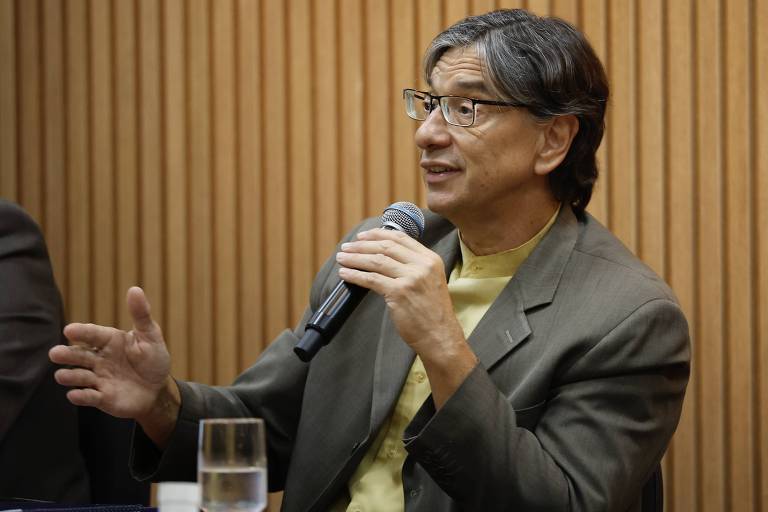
x: 460, y: 68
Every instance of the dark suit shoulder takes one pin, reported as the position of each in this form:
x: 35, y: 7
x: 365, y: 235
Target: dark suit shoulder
x: 19, y: 232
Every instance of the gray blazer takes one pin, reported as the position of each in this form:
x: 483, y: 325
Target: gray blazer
x: 584, y: 360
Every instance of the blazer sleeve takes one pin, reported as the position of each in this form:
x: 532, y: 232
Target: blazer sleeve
x: 30, y: 312
x: 272, y: 389
x: 597, y: 438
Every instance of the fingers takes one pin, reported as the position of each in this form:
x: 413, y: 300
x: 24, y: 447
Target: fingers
x: 398, y: 237
x: 97, y: 336
x: 74, y: 355
x: 375, y: 282
x: 138, y: 307
x: 375, y: 262
x: 76, y: 377
x: 87, y: 396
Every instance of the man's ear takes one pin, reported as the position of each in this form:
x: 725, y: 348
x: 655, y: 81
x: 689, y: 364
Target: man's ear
x: 558, y: 136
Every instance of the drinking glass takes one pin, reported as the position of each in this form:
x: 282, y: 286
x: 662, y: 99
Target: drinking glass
x: 232, y: 465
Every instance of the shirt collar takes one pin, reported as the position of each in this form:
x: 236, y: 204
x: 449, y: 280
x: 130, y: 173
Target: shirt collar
x: 500, y: 264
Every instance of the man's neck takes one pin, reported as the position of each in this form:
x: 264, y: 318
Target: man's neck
x: 485, y: 236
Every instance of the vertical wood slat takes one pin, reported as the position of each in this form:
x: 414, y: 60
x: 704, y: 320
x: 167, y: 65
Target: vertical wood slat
x: 594, y: 20
x: 150, y: 171
x: 405, y: 173
x: 200, y: 201
x: 177, y: 301
x: 567, y: 10
x: 622, y: 122
x: 709, y: 353
x: 681, y: 490
x: 326, y: 142
x: 126, y: 152
x: 30, y: 142
x: 224, y: 189
x: 275, y: 206
x: 54, y: 166
x: 454, y: 10
x: 116, y: 135
x: 102, y: 189
x: 650, y: 145
x: 760, y: 171
x: 78, y: 296
x: 8, y: 100
x: 738, y: 254
x: 250, y: 122
x: 350, y: 116
x: 301, y: 144
x: 379, y: 95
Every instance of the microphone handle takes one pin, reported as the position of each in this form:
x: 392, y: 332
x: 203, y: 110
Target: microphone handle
x: 328, y: 319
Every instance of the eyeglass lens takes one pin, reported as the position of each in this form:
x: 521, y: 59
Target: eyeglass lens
x: 456, y: 110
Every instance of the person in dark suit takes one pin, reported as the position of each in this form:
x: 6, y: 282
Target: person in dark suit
x: 50, y: 450
x: 39, y: 448
x: 517, y: 357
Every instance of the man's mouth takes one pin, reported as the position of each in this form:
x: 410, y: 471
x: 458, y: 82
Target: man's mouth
x: 439, y: 169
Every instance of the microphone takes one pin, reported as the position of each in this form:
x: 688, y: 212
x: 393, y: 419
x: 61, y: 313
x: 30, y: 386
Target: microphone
x: 345, y: 297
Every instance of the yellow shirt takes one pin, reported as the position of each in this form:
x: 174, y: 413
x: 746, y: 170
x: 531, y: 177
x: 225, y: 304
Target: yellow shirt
x: 474, y: 284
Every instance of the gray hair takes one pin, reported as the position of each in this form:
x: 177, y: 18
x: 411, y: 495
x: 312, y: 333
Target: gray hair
x: 547, y: 65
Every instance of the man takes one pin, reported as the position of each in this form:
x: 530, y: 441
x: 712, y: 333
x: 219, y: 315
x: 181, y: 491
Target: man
x: 38, y: 427
x: 546, y: 373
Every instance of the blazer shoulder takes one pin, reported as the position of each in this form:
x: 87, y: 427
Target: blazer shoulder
x: 600, y: 255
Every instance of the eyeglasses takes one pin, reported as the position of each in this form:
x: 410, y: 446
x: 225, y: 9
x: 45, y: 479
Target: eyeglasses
x: 457, y: 110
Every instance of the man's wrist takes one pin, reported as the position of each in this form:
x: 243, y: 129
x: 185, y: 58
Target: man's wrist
x: 448, y: 368
x: 159, y: 423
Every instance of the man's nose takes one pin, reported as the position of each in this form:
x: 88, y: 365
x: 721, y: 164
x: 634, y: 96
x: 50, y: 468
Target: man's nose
x: 433, y: 131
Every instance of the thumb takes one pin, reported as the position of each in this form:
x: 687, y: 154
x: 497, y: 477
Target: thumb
x: 138, y: 307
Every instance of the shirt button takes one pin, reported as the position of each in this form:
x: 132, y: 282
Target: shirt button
x: 392, y: 453
x: 420, y: 377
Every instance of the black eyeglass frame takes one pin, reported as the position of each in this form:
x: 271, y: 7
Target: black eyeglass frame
x: 439, y: 100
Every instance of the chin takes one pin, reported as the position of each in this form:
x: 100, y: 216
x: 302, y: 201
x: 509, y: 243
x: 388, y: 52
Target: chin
x: 443, y: 206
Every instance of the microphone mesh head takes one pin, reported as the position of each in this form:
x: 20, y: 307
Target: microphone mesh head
x: 405, y: 217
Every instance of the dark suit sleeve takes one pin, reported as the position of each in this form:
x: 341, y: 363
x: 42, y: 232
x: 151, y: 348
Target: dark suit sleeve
x: 595, y: 440
x: 30, y: 312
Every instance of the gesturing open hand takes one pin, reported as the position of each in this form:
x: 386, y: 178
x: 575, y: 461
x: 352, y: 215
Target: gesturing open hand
x: 119, y: 372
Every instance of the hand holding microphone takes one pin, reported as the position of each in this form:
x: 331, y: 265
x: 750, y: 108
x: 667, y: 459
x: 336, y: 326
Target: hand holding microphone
x: 402, y: 217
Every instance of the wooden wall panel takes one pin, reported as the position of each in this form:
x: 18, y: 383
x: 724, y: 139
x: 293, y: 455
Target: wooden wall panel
x: 759, y: 137
x: 177, y: 298
x: 682, y: 491
x: 102, y: 159
x: 214, y: 152
x: 126, y: 192
x: 78, y: 294
x: 738, y: 217
x: 709, y: 351
x: 300, y: 151
x: 151, y: 178
x: 53, y: 149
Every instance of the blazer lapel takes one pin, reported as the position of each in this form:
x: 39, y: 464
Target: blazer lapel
x: 505, y: 324
x: 394, y: 357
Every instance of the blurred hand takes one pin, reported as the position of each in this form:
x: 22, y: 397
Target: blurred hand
x: 122, y: 373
